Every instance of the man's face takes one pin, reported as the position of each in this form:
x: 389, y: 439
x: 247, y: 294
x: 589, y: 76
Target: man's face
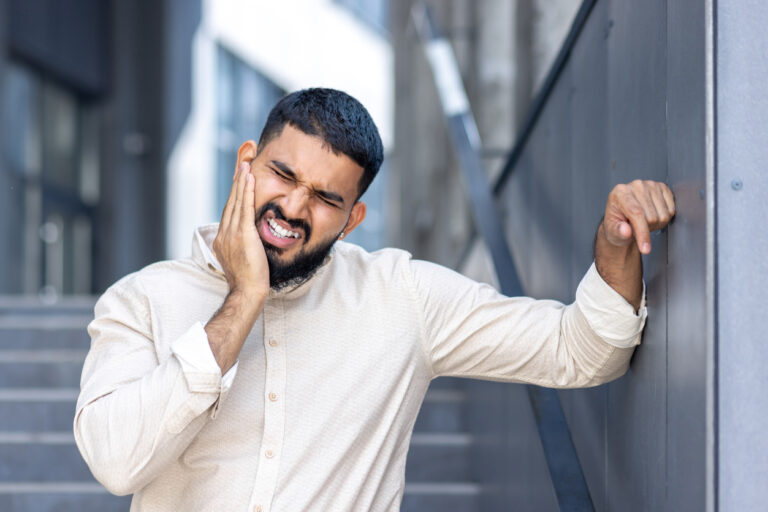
x: 304, y: 198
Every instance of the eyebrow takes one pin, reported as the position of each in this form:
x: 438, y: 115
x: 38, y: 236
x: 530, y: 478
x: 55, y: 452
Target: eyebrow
x: 331, y: 196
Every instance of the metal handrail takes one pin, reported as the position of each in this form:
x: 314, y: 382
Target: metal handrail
x: 537, y: 107
x: 563, y: 463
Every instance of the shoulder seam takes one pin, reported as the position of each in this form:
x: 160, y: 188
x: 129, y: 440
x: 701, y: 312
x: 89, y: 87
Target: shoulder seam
x: 410, y: 283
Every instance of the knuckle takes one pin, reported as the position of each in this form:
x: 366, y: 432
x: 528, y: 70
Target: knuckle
x: 635, y: 210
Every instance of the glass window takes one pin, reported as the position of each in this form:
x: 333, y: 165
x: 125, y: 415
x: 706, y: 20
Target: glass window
x: 48, y: 187
x: 371, y: 234
x: 244, y: 99
x: 372, y: 12
x: 20, y: 118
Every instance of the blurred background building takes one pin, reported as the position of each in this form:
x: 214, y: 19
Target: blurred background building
x: 119, y: 124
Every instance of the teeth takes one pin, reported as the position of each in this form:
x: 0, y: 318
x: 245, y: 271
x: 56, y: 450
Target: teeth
x: 280, y: 231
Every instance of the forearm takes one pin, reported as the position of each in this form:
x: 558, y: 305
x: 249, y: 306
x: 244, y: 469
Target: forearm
x: 229, y: 327
x: 131, y: 434
x: 620, y: 266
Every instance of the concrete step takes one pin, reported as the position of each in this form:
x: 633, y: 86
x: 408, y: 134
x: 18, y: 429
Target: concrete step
x: 435, y: 458
x: 440, y: 497
x: 37, y: 410
x: 61, y: 370
x: 41, y: 457
x: 60, y: 497
x: 49, y: 334
x: 442, y: 411
x: 32, y: 305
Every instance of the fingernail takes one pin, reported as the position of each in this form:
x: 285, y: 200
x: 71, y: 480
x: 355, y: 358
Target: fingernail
x: 646, y: 247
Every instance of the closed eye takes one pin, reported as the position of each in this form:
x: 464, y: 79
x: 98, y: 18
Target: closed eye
x: 282, y: 175
x: 327, y: 201
x: 287, y: 175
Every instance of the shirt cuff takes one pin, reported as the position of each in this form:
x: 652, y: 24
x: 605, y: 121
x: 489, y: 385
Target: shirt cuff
x: 228, y: 378
x: 608, y: 313
x: 200, y: 368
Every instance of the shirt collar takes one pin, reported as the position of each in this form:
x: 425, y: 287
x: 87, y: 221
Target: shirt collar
x: 203, y: 255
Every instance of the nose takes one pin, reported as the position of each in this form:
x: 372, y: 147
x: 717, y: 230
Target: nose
x: 296, y: 202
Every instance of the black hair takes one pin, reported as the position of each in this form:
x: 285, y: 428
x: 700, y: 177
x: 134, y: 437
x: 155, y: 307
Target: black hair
x: 338, y: 119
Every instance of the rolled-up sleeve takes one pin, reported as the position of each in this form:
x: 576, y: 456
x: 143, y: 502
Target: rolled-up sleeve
x: 608, y: 313
x: 471, y: 330
x: 199, y: 366
x: 138, y: 410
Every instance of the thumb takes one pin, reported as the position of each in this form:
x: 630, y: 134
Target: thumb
x: 624, y: 231
x: 618, y: 232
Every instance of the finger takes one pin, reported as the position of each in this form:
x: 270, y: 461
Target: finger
x: 635, y: 214
x: 652, y: 215
x: 249, y: 209
x: 226, y: 216
x: 236, y: 213
x: 661, y: 208
x: 669, y: 198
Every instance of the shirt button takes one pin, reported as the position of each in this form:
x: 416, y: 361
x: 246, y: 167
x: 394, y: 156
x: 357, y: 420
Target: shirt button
x: 257, y: 508
x: 272, y: 343
x: 273, y: 397
x: 269, y: 454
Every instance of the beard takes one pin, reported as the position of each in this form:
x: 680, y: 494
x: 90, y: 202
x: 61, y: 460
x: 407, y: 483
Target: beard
x: 304, y: 265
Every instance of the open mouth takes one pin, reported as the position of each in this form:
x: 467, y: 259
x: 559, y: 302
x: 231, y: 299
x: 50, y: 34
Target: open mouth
x: 278, y: 232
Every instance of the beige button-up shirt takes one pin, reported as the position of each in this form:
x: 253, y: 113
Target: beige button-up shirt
x: 318, y: 412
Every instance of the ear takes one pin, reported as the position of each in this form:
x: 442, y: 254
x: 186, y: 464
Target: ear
x: 356, y: 216
x: 247, y: 152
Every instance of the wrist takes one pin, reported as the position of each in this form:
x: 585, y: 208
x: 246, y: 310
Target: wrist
x: 247, y: 302
x: 617, y: 252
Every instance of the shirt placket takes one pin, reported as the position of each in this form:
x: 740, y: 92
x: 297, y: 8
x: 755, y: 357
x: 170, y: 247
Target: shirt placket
x: 274, y: 407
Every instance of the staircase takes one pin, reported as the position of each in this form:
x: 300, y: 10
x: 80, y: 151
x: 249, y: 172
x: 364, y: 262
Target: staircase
x: 437, y: 472
x: 42, y: 349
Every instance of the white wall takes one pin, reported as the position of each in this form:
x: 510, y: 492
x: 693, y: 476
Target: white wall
x: 296, y: 44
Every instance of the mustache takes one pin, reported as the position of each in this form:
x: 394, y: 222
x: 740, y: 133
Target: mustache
x: 294, y: 223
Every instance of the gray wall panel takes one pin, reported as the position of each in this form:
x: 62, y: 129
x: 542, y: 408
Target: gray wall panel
x: 742, y: 245
x: 514, y: 200
x: 622, y: 127
x: 630, y: 103
x: 551, y: 236
x: 585, y: 410
x: 686, y: 264
x: 637, y: 149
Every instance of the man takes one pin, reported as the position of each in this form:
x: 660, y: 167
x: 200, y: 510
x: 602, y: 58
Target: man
x: 278, y: 369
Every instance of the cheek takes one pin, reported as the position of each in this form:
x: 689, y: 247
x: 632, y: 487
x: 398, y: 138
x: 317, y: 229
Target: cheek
x: 325, y: 223
x: 264, y: 190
